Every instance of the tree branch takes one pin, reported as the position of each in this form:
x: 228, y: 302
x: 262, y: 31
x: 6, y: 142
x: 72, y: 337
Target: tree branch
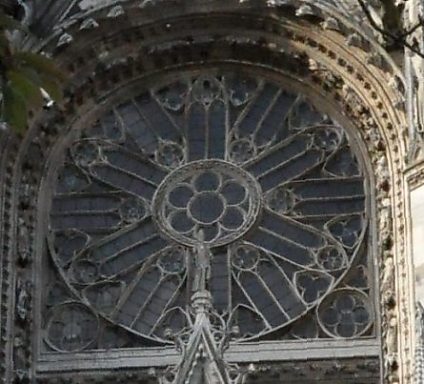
x: 396, y: 38
x: 412, y: 30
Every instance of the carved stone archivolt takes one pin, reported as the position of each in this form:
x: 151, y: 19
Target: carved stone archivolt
x: 132, y: 43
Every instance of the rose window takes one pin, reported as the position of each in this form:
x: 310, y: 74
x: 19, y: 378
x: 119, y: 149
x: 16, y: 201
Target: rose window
x: 236, y: 163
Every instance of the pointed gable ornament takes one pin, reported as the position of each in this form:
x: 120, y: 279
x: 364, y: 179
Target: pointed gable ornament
x: 203, y: 360
x: 202, y: 356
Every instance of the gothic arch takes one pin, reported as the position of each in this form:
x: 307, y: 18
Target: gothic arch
x: 109, y: 47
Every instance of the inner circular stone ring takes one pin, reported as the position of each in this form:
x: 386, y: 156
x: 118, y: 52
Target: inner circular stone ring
x: 214, y: 197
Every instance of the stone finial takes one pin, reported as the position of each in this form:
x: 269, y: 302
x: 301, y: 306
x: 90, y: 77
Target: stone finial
x: 89, y: 23
x: 115, y: 12
x: 64, y: 39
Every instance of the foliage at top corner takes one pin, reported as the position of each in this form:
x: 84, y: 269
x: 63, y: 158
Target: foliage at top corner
x: 26, y: 78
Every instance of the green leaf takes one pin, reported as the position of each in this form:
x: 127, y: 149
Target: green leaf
x: 14, y: 108
x: 6, y: 49
x: 8, y: 22
x: 40, y: 63
x: 52, y: 87
x: 4, y: 45
x: 31, y: 74
x: 49, y: 84
x: 26, y: 87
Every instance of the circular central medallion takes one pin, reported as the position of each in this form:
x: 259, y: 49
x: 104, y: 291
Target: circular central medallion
x: 214, y: 197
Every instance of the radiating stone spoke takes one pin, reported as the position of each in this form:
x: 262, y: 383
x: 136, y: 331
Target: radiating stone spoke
x: 277, y: 155
x: 328, y: 197
x: 138, y: 127
x: 262, y: 298
x: 291, y: 170
x: 158, y: 119
x: 154, y: 292
x: 196, y: 132
x: 85, y: 220
x: 272, y: 125
x: 133, y: 255
x: 85, y: 202
x: 330, y: 206
x: 159, y: 301
x: 217, y: 127
x: 282, y: 290
x: 278, y: 245
x: 136, y: 164
x: 256, y: 110
x: 299, y: 234
x: 124, y: 181
x: 137, y: 295
x: 328, y: 187
x: 220, y: 280
x: 285, y: 162
x: 128, y: 247
x: 85, y: 211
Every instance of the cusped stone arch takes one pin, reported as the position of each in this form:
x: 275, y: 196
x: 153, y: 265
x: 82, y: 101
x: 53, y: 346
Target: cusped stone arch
x: 122, y: 47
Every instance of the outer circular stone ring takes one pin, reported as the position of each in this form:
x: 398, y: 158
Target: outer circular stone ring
x: 213, y: 196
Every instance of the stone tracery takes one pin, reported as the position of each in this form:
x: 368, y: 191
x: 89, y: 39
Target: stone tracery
x: 358, y: 112
x: 286, y: 223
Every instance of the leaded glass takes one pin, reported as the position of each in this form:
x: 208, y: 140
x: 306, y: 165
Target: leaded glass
x: 236, y: 162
